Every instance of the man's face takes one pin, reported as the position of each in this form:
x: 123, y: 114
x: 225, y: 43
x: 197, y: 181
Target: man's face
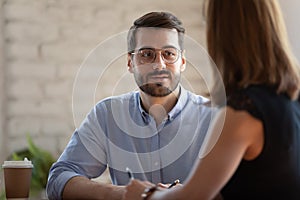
x: 154, y: 65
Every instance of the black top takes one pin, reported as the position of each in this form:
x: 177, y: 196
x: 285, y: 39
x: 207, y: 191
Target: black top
x: 275, y: 173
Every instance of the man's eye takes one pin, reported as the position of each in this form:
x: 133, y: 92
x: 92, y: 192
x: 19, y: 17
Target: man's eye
x: 146, y: 54
x: 169, y: 53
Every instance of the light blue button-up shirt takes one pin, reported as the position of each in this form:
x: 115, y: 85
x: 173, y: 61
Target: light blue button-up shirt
x: 118, y: 133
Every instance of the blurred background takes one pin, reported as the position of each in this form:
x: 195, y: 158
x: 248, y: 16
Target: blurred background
x: 43, y: 44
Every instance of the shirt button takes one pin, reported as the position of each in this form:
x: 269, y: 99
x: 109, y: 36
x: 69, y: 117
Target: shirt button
x: 156, y: 163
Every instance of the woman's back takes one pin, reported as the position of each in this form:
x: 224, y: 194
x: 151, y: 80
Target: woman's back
x: 275, y: 173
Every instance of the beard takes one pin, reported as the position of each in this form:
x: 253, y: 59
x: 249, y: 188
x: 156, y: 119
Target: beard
x: 157, y: 89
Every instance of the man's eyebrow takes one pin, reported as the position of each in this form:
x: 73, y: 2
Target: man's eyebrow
x: 150, y: 47
x: 169, y: 46
x: 146, y: 47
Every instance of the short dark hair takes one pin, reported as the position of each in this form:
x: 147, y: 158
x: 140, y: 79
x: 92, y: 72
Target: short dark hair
x: 155, y: 19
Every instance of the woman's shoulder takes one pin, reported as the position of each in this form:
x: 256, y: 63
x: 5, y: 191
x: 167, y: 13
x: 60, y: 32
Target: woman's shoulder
x: 242, y: 100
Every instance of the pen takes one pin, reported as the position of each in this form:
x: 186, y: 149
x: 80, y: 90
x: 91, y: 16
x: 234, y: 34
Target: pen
x: 174, y: 183
x: 130, y: 174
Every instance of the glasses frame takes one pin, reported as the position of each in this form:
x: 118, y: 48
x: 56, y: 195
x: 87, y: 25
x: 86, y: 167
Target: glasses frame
x: 179, y: 53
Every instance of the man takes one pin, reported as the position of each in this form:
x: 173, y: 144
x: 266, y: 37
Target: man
x: 156, y: 132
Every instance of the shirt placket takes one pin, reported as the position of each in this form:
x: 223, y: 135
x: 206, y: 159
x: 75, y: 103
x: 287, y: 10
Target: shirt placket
x: 155, y: 157
x: 156, y: 176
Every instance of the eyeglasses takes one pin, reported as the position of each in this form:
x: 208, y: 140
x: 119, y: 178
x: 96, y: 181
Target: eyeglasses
x: 148, y: 55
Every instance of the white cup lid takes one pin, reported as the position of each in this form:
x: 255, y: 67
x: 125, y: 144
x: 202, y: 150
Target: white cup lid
x: 18, y: 164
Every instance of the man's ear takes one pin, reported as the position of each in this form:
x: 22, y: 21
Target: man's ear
x: 183, y: 60
x: 129, y: 63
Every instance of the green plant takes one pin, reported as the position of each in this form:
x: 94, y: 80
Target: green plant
x: 41, y: 160
x: 2, y: 196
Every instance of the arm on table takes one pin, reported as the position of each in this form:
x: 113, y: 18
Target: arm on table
x: 80, y: 187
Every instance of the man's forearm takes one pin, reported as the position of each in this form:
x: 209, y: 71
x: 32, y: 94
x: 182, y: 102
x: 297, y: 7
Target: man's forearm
x: 82, y: 188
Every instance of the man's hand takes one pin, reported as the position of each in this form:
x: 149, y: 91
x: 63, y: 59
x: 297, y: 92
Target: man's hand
x: 135, y: 189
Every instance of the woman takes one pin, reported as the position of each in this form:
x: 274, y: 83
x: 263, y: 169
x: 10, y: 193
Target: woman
x: 257, y: 155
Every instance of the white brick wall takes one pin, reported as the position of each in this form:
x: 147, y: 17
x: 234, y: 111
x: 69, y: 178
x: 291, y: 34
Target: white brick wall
x: 291, y: 17
x: 45, y: 44
x: 2, y: 97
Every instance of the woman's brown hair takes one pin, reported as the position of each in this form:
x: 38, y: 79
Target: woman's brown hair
x: 247, y: 40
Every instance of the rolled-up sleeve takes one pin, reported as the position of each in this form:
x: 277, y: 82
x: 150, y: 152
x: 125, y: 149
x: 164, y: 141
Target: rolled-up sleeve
x: 76, y: 160
x: 85, y: 155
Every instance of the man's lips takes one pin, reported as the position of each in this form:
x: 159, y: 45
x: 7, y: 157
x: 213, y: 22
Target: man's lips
x: 158, y: 78
x: 161, y: 74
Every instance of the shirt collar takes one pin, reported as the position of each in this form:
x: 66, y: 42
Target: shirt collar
x: 182, y: 100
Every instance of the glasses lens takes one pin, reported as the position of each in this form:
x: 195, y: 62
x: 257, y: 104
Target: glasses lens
x: 146, y: 56
x: 170, y: 55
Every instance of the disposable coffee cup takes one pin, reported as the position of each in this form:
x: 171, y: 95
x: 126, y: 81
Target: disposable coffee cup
x: 17, y: 178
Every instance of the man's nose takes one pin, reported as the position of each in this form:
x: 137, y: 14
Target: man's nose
x: 159, y: 62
